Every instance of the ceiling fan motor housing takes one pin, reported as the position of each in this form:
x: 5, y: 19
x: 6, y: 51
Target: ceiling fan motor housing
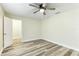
x: 42, y: 7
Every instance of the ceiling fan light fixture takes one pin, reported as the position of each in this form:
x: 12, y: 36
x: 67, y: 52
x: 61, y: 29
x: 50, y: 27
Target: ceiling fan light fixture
x: 42, y: 10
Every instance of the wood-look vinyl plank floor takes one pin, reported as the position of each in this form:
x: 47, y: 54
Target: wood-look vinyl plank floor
x: 38, y: 47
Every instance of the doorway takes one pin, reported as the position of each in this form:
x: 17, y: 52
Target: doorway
x: 12, y: 31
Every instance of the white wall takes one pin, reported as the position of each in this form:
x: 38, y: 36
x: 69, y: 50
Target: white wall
x: 63, y: 29
x: 31, y: 29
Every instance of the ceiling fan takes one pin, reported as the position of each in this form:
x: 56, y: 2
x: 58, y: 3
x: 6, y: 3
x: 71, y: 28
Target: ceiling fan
x: 42, y: 7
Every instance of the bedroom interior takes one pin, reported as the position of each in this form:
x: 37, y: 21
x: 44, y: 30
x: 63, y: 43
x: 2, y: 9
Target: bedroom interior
x: 39, y: 29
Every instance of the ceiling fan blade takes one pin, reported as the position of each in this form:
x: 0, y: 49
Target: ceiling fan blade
x: 33, y: 6
x: 44, y: 13
x: 51, y: 8
x: 36, y: 11
x: 37, y: 4
x: 57, y: 12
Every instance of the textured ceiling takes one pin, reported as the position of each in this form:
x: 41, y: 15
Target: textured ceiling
x: 24, y: 10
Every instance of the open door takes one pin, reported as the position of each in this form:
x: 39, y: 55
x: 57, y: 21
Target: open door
x: 1, y: 34
x: 12, y: 32
x: 7, y: 32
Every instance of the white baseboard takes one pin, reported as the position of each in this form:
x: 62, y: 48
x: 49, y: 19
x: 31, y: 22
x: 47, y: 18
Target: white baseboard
x: 55, y: 43
x: 63, y: 45
x: 29, y: 40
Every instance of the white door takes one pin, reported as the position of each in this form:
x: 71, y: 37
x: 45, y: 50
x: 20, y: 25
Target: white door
x: 7, y: 32
x: 1, y: 33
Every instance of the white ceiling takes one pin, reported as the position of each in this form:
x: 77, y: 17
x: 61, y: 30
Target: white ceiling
x: 24, y: 10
